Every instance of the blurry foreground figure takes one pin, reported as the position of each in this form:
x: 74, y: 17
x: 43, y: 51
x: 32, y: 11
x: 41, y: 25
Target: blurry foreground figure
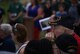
x: 43, y: 46
x: 6, y: 42
x: 20, y: 37
x: 68, y: 42
x: 65, y: 26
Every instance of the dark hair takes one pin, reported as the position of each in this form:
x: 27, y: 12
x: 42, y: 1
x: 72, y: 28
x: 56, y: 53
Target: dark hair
x: 32, y: 47
x: 67, y: 21
x: 21, y: 30
x: 45, y: 46
x: 61, y: 5
x: 66, y: 42
x: 36, y: 2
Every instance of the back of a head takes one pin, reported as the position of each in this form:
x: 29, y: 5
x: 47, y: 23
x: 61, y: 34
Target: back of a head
x: 32, y: 47
x: 45, y: 46
x: 20, y: 32
x: 67, y: 21
x: 66, y: 42
x: 7, y: 28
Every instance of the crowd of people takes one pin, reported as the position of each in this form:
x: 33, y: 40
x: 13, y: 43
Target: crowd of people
x: 62, y: 38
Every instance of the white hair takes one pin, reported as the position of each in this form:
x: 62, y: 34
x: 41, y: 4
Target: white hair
x: 6, y: 27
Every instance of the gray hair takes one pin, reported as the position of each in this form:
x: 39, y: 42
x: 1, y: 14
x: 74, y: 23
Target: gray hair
x: 7, y: 28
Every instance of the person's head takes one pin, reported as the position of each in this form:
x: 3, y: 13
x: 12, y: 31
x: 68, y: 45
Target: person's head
x: 74, y: 1
x: 20, y: 33
x: 48, y: 4
x: 61, y: 7
x: 54, y: 1
x: 5, y: 30
x: 32, y: 47
x: 57, y: 29
x: 34, y: 2
x: 40, y: 11
x: 66, y: 43
x: 45, y: 46
x: 64, y: 25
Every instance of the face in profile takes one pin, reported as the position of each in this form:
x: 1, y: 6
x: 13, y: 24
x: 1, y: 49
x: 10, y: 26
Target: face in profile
x: 58, y: 30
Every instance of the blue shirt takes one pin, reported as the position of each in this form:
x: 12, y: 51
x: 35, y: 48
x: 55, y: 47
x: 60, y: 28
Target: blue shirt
x: 7, y: 44
x: 36, y: 24
x: 32, y: 12
x: 59, y: 14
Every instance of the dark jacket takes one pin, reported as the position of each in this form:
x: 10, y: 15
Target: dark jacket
x: 7, y: 44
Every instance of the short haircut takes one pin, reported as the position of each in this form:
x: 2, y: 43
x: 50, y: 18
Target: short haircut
x: 45, y: 46
x: 32, y: 47
x: 7, y: 28
x: 66, y: 42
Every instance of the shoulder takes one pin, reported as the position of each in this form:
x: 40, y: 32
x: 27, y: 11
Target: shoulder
x: 9, y: 42
x: 57, y: 12
x: 21, y: 49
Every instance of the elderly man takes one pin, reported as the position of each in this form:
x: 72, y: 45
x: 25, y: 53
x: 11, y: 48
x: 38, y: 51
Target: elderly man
x: 6, y: 42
